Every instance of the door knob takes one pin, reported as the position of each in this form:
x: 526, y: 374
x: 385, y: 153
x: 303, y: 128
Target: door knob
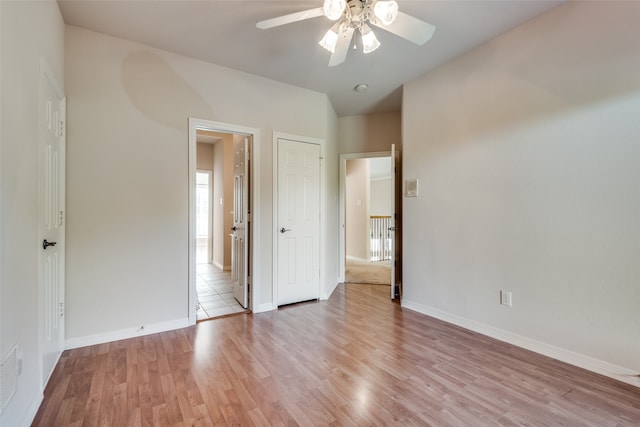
x: 46, y: 244
x: 234, y: 228
x: 284, y: 230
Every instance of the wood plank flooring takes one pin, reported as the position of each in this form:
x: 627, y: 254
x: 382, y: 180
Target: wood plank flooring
x: 357, y: 359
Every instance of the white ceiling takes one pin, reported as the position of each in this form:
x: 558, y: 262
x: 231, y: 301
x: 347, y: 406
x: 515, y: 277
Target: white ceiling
x: 223, y: 32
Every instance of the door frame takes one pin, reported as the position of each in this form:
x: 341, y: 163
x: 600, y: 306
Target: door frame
x: 202, y: 124
x: 321, y: 207
x: 343, y: 202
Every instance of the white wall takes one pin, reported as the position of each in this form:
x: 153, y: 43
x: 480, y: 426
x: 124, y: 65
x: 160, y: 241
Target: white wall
x: 380, y: 200
x: 357, y: 209
x: 29, y: 31
x: 330, y: 218
x: 527, y: 151
x: 369, y: 133
x: 127, y: 239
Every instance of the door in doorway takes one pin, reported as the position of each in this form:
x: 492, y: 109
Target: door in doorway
x: 52, y: 222
x: 298, y: 221
x: 241, y: 222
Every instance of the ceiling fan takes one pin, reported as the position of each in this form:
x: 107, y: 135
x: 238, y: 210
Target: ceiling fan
x: 352, y: 15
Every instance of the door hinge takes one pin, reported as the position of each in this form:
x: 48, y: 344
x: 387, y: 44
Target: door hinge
x: 61, y: 218
x: 60, y: 128
x: 61, y: 309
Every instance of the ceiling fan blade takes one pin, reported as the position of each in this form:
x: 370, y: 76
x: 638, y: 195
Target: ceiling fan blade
x: 410, y: 28
x: 342, y: 47
x: 292, y: 17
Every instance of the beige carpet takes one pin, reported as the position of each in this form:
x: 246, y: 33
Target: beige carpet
x: 375, y: 273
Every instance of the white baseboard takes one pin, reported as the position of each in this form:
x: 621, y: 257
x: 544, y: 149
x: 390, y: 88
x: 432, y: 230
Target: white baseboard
x: 222, y: 267
x: 328, y: 292
x: 265, y: 307
x: 32, y: 410
x: 591, y: 364
x: 357, y: 259
x: 123, y: 334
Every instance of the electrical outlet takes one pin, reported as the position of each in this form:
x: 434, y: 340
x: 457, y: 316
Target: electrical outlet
x: 505, y: 298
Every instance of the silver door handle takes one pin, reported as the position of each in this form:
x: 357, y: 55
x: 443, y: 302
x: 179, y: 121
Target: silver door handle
x: 284, y: 230
x: 393, y: 229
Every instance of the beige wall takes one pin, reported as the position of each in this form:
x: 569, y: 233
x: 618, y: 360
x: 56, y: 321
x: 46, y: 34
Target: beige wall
x: 204, y: 156
x: 369, y: 133
x: 22, y: 49
x: 127, y: 99
x: 218, y: 158
x: 357, y: 209
x: 527, y: 154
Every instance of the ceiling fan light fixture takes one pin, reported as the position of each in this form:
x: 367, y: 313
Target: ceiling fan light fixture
x: 386, y: 11
x: 369, y: 40
x: 353, y: 15
x: 333, y: 9
x: 330, y: 39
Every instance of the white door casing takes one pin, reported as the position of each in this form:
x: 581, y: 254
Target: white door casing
x: 297, y: 221
x: 51, y: 125
x: 241, y: 220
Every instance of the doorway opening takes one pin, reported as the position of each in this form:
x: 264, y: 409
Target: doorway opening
x: 367, y: 220
x: 220, y: 219
x: 370, y: 219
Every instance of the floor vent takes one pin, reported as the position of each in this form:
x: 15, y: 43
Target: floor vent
x: 8, y: 377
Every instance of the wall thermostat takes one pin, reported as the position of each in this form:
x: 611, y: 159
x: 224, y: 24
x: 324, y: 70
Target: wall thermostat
x: 411, y: 188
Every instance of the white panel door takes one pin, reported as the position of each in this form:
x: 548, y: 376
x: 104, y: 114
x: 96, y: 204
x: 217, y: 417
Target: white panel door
x: 241, y: 223
x: 52, y: 223
x: 298, y: 244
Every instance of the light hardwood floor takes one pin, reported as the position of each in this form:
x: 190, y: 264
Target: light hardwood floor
x: 357, y: 359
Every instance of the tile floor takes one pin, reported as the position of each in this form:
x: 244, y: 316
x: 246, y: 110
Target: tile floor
x: 215, y: 292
